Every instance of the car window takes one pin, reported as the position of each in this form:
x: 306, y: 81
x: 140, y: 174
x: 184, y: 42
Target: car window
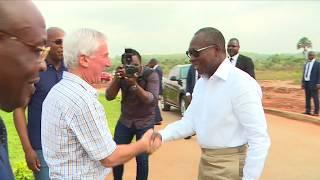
x: 184, y: 72
x: 174, y: 72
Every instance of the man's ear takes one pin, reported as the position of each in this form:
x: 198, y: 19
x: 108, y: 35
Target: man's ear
x: 84, y: 61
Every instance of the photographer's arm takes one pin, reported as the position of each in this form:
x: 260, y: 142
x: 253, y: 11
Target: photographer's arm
x: 150, y: 95
x: 113, y: 89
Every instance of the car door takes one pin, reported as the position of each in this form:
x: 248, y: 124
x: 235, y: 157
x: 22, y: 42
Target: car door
x: 173, y: 86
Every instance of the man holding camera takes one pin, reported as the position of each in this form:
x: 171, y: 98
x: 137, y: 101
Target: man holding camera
x: 139, y: 90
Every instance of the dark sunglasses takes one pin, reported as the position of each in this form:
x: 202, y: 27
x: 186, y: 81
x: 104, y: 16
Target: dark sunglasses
x: 58, y: 41
x: 42, y: 51
x: 196, y: 52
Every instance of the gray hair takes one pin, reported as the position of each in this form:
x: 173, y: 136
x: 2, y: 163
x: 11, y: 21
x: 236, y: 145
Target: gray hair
x: 80, y: 42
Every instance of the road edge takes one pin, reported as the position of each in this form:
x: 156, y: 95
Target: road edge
x: 293, y: 115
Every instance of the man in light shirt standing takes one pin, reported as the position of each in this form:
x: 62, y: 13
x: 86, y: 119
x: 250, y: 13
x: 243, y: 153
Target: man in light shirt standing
x: 311, y: 83
x: 76, y: 140
x: 226, y: 113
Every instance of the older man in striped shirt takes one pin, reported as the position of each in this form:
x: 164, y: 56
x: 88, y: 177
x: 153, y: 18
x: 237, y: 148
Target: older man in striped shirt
x: 77, y: 143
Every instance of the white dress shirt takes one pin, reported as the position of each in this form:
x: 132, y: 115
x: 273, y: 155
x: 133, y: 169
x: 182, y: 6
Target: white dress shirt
x: 307, y: 70
x: 234, y: 59
x: 74, y: 131
x: 226, y: 111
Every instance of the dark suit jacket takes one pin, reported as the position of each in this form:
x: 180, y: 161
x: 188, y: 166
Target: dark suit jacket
x: 245, y: 64
x: 314, y: 76
x: 191, y: 79
x: 160, y: 73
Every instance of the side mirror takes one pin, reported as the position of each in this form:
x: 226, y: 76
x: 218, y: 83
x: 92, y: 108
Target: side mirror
x: 173, y: 78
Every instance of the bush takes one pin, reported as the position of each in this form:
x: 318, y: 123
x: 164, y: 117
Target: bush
x: 22, y: 172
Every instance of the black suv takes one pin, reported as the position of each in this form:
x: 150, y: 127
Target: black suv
x: 174, y: 89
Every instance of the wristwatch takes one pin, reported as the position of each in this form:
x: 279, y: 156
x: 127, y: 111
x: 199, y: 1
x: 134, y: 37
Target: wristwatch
x: 133, y: 87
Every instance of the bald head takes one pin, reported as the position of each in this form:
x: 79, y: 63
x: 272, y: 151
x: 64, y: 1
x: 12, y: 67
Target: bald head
x: 22, y: 19
x: 211, y: 36
x: 53, y: 31
x: 19, y: 56
x: 311, y: 55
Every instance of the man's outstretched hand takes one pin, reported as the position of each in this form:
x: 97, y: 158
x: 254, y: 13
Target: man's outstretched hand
x: 156, y: 141
x: 152, y: 141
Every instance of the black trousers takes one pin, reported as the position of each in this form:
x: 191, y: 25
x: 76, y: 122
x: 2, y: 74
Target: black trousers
x: 311, y: 93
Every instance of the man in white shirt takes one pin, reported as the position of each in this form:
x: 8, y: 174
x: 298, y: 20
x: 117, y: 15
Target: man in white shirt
x: 226, y: 113
x: 311, y: 83
x: 76, y: 140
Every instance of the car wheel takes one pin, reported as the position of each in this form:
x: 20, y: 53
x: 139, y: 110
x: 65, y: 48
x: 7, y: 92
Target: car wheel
x: 165, y: 106
x: 183, y: 103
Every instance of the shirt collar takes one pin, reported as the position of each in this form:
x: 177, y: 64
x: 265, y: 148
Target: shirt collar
x: 223, y: 70
x: 235, y: 57
x: 155, y: 67
x: 76, y: 79
x: 62, y: 68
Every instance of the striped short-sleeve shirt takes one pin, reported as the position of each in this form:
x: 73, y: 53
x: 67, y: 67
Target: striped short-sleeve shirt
x: 74, y: 131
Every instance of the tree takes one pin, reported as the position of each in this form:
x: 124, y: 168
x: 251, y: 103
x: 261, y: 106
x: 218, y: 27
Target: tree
x: 304, y: 43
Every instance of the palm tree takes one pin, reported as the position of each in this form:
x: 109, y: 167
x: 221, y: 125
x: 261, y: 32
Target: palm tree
x: 304, y: 43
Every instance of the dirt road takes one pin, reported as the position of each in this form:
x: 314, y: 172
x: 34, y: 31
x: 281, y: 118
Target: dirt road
x: 294, y: 154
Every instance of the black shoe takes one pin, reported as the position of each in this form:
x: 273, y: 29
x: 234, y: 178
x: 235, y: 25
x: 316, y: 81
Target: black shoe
x: 315, y: 114
x: 308, y: 113
x: 158, y: 123
x: 186, y: 138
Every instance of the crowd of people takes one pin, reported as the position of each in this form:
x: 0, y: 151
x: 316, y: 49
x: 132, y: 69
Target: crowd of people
x: 65, y: 134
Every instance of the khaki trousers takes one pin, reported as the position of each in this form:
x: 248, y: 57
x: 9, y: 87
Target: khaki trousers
x: 222, y: 164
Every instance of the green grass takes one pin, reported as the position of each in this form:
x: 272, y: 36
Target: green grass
x: 295, y: 76
x: 16, y: 153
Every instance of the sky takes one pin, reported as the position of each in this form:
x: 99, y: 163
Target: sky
x: 166, y: 27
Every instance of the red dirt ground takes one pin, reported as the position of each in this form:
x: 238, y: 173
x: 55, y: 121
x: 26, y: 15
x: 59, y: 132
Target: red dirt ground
x: 283, y: 95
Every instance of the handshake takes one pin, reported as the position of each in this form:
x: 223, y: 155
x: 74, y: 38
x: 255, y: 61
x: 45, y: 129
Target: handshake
x: 150, y: 141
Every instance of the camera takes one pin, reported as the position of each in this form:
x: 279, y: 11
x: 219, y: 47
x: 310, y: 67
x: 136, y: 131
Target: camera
x: 126, y: 60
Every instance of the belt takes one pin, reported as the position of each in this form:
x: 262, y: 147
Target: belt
x: 228, y: 150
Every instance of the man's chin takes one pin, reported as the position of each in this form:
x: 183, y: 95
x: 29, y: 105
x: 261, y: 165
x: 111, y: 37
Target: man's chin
x: 10, y: 106
x: 6, y: 108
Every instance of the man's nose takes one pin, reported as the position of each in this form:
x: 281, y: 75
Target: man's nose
x: 192, y: 59
x: 108, y: 62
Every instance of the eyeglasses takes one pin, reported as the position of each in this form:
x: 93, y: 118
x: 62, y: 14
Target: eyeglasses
x: 58, y: 41
x: 196, y: 52
x: 42, y: 51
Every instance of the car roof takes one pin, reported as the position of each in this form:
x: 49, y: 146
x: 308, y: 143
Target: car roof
x: 183, y: 65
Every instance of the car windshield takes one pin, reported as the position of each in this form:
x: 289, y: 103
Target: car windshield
x: 184, y: 72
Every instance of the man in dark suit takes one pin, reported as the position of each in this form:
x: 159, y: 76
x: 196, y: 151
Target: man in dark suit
x: 153, y: 63
x: 190, y: 83
x: 311, y: 83
x: 192, y: 78
x: 240, y: 61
